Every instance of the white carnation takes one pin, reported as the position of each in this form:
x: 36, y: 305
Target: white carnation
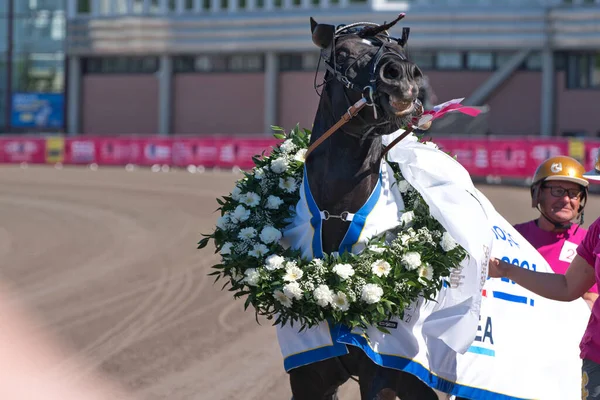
x: 323, y: 295
x: 403, y: 186
x: 226, y: 249
x: 274, y: 262
x: 236, y: 193
x: 252, y: 276
x: 258, y: 251
x: 288, y: 146
x: 371, y: 293
x: 411, y: 260
x: 407, y: 218
x: 269, y: 235
x: 289, y: 184
x: 292, y: 290
x: 273, y: 202
x: 282, y: 298
x: 448, y: 243
x: 340, y: 301
x: 259, y: 174
x: 344, y: 271
x: 381, y: 268
x: 223, y: 222
x: 240, y: 214
x: 250, y: 199
x: 425, y: 272
x: 247, y: 233
x: 279, y: 165
x: 300, y: 155
x: 292, y: 273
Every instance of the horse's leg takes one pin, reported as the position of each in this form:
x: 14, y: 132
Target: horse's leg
x: 320, y: 380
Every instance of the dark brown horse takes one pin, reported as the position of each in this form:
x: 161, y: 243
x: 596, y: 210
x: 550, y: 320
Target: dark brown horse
x: 362, y: 61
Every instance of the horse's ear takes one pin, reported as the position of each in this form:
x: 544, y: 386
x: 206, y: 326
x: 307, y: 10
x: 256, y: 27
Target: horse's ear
x: 322, y: 34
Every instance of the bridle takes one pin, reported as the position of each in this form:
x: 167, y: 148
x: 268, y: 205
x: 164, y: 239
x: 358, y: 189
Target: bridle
x: 368, y: 93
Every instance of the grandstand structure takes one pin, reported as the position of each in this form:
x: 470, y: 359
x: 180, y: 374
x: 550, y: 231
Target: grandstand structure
x: 238, y: 66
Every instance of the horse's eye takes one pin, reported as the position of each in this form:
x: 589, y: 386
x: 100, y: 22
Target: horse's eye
x: 342, y: 56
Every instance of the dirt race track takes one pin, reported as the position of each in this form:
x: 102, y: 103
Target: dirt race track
x: 107, y: 259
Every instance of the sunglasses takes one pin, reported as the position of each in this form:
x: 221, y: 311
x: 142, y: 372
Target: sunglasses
x: 557, y: 191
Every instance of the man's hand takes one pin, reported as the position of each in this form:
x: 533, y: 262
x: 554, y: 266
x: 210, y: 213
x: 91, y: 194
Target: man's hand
x: 498, y: 268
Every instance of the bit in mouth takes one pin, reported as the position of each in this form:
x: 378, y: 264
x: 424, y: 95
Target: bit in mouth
x: 401, y: 106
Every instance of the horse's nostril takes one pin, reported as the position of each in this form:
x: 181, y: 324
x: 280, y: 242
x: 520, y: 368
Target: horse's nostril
x: 391, y: 71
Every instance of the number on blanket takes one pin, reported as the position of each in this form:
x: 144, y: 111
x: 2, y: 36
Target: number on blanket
x: 522, y: 264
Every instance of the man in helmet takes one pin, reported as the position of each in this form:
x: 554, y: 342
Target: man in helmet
x: 559, y: 192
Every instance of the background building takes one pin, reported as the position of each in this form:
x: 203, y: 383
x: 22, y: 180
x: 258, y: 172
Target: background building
x: 238, y: 66
x: 32, y: 65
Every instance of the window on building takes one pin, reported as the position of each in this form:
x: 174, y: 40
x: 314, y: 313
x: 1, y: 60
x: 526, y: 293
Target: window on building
x: 449, y: 60
x: 534, y: 61
x: 120, y: 65
x: 189, y: 5
x: 480, y: 60
x: 583, y: 71
x: 39, y: 72
x: 424, y: 60
x: 218, y: 63
x: 298, y: 61
x: 84, y: 6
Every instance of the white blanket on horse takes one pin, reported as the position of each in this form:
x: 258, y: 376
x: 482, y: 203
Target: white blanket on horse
x: 453, y: 320
x: 524, y: 347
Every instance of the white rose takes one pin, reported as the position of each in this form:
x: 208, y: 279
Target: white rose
x: 240, y: 214
x: 407, y: 218
x: 344, y: 271
x: 226, y: 249
x: 340, y: 301
x: 411, y: 260
x: 292, y: 290
x: 273, y: 202
x: 282, y: 298
x: 279, y: 165
x: 269, y: 235
x: 300, y: 155
x: 448, y: 243
x: 323, y: 295
x: 403, y: 186
x: 236, y: 193
x: 371, y: 293
x: 274, y: 262
x: 252, y: 276
x: 381, y: 268
x: 258, y: 251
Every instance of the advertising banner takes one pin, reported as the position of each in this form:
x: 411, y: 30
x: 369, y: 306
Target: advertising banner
x: 38, y: 110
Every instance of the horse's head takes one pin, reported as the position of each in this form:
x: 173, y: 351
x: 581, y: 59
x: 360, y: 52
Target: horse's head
x: 362, y: 60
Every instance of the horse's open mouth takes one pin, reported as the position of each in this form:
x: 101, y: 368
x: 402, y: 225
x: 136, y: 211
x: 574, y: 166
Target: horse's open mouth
x: 401, y: 107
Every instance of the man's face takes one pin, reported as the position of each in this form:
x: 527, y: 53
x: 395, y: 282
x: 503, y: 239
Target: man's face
x: 560, y: 200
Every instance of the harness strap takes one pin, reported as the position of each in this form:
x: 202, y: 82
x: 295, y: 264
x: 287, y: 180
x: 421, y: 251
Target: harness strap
x: 352, y: 111
x: 396, y: 141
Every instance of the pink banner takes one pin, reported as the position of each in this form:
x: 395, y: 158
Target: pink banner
x: 18, y: 150
x: 483, y: 156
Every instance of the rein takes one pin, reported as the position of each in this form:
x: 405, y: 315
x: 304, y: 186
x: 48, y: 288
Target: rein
x: 351, y: 113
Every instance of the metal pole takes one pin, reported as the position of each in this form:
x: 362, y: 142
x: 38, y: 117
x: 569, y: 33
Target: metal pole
x: 9, y: 60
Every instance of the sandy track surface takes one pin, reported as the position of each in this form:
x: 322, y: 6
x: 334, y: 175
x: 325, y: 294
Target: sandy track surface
x: 107, y: 259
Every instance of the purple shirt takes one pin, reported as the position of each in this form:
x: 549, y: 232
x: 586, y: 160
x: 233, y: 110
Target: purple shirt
x: 589, y: 250
x: 558, y: 249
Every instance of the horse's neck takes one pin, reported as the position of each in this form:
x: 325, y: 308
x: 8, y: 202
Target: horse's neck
x: 342, y: 173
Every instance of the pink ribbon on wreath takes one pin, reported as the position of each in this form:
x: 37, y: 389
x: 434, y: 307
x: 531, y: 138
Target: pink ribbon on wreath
x: 442, y: 109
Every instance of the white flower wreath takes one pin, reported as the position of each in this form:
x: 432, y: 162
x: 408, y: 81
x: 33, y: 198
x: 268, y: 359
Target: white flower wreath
x: 352, y: 289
